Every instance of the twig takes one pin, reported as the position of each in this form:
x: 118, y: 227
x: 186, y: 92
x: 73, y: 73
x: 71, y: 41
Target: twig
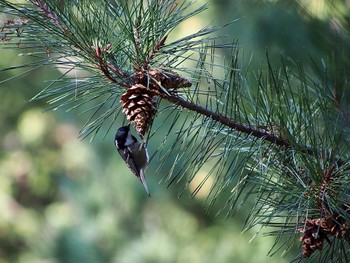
x: 234, y: 125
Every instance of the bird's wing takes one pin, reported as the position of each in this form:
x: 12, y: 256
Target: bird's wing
x: 129, y: 160
x: 131, y: 163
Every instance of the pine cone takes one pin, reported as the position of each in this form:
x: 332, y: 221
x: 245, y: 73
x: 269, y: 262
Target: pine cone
x: 170, y: 80
x: 335, y: 225
x: 314, y: 236
x: 138, y: 106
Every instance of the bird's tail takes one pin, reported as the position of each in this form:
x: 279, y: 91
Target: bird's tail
x: 143, y: 181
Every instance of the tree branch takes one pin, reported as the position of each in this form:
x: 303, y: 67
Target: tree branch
x: 265, y: 135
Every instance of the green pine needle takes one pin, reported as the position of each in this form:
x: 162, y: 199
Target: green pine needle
x: 276, y: 143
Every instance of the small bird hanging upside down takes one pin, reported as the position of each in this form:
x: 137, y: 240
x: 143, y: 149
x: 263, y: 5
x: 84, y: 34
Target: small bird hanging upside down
x: 133, y: 152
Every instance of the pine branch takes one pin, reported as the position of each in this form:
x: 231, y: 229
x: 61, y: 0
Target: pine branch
x: 278, y: 139
x: 261, y: 134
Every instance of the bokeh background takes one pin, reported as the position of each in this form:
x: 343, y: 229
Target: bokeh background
x: 71, y: 201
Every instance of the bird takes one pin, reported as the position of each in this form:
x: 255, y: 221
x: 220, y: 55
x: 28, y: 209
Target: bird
x: 133, y: 152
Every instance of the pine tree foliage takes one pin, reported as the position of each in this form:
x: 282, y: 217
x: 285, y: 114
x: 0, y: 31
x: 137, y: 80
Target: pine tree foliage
x: 280, y: 140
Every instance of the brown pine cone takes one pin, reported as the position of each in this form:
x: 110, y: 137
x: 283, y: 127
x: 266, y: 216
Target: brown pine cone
x: 138, y: 106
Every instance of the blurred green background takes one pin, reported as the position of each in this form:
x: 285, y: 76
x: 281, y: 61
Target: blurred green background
x: 71, y: 201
